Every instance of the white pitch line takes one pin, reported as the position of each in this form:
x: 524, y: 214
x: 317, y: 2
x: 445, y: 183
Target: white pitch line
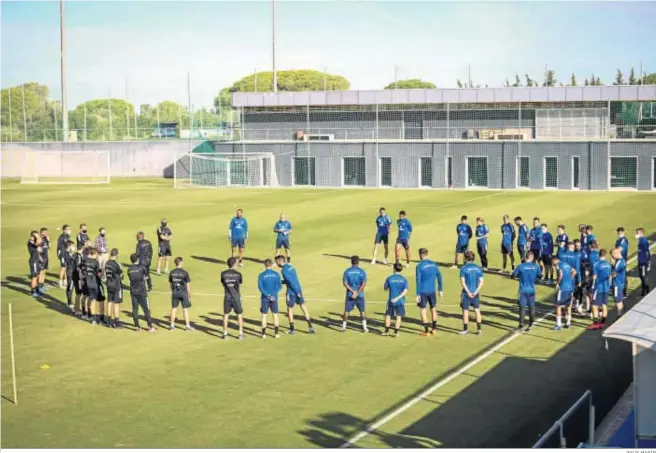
x: 362, y: 434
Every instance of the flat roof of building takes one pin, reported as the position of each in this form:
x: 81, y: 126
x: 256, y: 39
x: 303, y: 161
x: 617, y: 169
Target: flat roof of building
x: 447, y: 95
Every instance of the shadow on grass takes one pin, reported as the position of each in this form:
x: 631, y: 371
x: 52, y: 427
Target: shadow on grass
x: 21, y: 285
x: 208, y: 259
x: 527, y: 394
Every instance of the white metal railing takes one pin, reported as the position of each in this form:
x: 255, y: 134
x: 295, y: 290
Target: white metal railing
x: 558, y: 426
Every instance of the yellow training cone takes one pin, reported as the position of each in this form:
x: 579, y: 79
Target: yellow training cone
x: 45, y: 367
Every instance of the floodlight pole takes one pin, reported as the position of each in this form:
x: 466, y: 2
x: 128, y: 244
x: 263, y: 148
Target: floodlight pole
x: 273, y: 45
x: 62, y: 33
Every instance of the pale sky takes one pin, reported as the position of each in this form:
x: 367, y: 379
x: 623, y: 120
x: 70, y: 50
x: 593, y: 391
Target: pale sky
x: 154, y: 44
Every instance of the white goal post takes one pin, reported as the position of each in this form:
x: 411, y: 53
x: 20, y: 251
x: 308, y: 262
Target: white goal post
x: 66, y: 167
x: 225, y: 170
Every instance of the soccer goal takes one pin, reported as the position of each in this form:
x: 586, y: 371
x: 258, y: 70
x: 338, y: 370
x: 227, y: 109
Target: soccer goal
x: 66, y: 167
x: 225, y: 170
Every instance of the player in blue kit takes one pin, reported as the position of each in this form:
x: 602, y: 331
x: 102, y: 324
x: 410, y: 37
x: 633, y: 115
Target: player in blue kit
x: 482, y: 233
x: 383, y: 228
x: 354, y: 280
x: 397, y: 286
x: 238, y: 235
x: 523, y: 238
x: 403, y: 240
x: 427, y: 273
x: 283, y: 229
x: 507, y: 240
x: 623, y: 243
x: 565, y: 294
x: 270, y: 284
x: 294, y: 294
x: 644, y: 260
x: 546, y: 253
x: 528, y: 273
x: 534, y: 238
x: 562, y: 240
x: 471, y: 280
x: 464, y: 232
x: 619, y: 279
x: 602, y: 274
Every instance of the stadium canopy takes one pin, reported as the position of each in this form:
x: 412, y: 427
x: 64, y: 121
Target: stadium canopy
x: 627, y: 93
x: 638, y: 325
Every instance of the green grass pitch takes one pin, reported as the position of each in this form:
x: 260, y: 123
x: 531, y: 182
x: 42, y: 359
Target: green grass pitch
x: 107, y: 388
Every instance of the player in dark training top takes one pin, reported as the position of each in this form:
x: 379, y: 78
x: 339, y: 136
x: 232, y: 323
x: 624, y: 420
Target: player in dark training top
x: 535, y: 243
x: 69, y: 259
x: 523, y: 238
x: 561, y: 240
x: 180, y: 282
x: 92, y: 273
x: 283, y: 229
x: 238, y: 235
x: 35, y: 262
x: 82, y: 237
x: 45, y: 262
x: 464, y: 232
x: 507, y: 241
x: 644, y: 260
x: 354, y: 280
x: 164, y: 236
x: 62, y: 247
x: 619, y: 279
x: 404, y: 227
x: 482, y: 233
x: 566, y: 275
x: 138, y: 293
x: 270, y: 284
x: 546, y: 253
x: 231, y: 280
x: 623, y: 244
x: 383, y: 228
x: 114, y: 277
x: 144, y: 252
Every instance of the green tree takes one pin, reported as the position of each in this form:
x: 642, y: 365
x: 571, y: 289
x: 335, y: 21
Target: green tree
x: 409, y: 84
x: 506, y: 83
x: 649, y: 79
x: 572, y: 80
x: 459, y: 83
x: 32, y: 116
x: 518, y: 81
x: 586, y: 83
x: 103, y: 119
x: 619, y: 78
x: 529, y: 81
x: 550, y: 80
x: 632, y: 77
x: 598, y: 81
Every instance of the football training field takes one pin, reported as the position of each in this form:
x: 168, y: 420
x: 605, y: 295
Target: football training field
x: 80, y: 386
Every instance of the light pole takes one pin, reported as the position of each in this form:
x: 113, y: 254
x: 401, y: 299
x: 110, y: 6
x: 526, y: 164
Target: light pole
x: 62, y: 34
x: 273, y: 44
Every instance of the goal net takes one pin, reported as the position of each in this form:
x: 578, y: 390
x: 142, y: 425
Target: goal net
x: 225, y: 170
x: 66, y: 167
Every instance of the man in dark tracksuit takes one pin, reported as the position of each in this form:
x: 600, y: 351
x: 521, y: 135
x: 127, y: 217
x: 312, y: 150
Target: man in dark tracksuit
x: 35, y: 263
x: 138, y: 293
x: 70, y: 261
x: 144, y: 253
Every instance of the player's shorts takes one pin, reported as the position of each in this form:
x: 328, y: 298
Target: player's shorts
x: 35, y: 269
x: 115, y: 296
x: 427, y: 299
x: 62, y: 261
x: 350, y: 304
x: 466, y: 302
x: 506, y: 249
x: 393, y: 310
x: 564, y: 297
x: 294, y: 299
x: 462, y: 248
x: 45, y: 264
x: 230, y: 304
x: 164, y: 249
x: 546, y: 259
x: 481, y: 249
x: 177, y: 300
x: 526, y: 300
x: 618, y: 293
x: 600, y: 299
x: 77, y: 285
x: 282, y: 242
x: 267, y: 304
x: 521, y: 249
x: 380, y: 237
x: 241, y: 243
x: 405, y: 243
x: 93, y: 292
x: 536, y: 253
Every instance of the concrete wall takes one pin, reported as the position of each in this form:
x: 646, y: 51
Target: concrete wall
x: 502, y: 161
x: 127, y: 159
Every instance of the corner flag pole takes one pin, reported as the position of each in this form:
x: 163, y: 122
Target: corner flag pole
x: 13, y: 357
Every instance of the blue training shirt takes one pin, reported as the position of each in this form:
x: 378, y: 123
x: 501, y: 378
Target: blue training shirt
x: 354, y: 277
x: 602, y: 272
x: 528, y: 273
x: 619, y: 269
x: 405, y: 228
x: 574, y: 260
x: 383, y: 223
x: 290, y: 278
x: 566, y: 282
x: 238, y: 228
x: 426, y: 273
x: 546, y: 244
x: 643, y: 252
x: 269, y: 283
x: 283, y: 227
x: 523, y: 234
x: 507, y: 234
x: 473, y: 275
x: 623, y: 243
x: 396, y: 284
x: 587, y: 245
x: 561, y: 242
x: 535, y: 237
x: 482, y: 230
x: 593, y: 258
x: 464, y: 232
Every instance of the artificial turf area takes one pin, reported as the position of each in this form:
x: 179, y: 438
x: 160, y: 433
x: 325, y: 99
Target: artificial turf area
x: 104, y: 388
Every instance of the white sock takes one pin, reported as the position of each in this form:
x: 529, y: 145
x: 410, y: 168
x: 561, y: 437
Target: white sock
x: 344, y: 325
x: 558, y: 321
x: 569, y: 319
x: 364, y: 323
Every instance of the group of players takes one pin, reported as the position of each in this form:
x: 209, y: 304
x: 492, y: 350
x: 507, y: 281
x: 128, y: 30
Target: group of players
x: 582, y: 273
